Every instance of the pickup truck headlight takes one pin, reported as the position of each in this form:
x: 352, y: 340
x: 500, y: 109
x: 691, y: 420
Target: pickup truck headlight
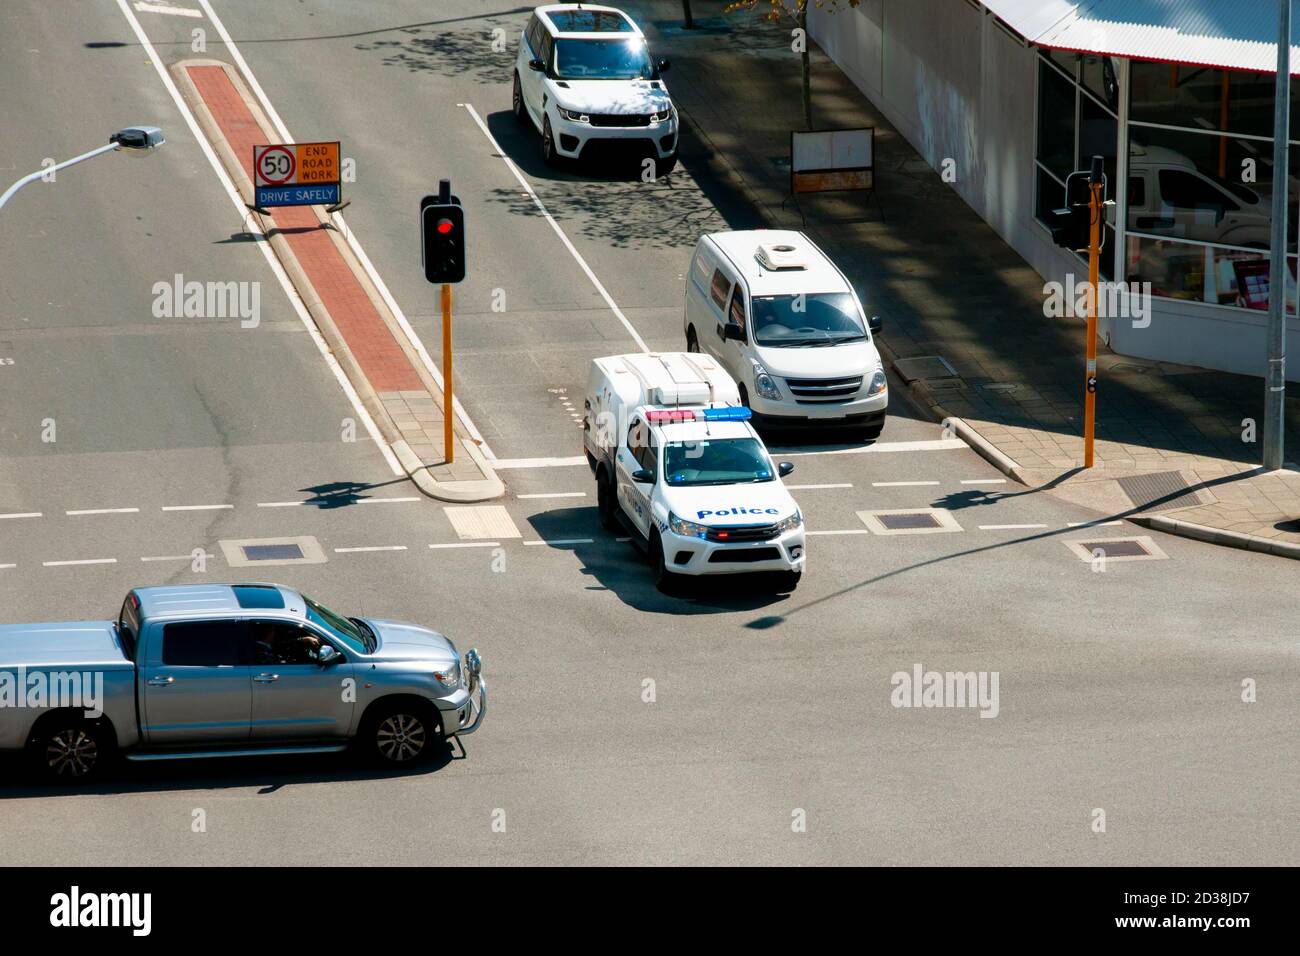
x: 790, y: 523
x: 687, y: 529
x: 765, y: 384
x: 878, y: 383
x: 449, y: 675
x: 573, y: 115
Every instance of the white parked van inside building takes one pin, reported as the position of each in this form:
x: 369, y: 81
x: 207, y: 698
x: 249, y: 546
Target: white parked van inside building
x: 787, y: 325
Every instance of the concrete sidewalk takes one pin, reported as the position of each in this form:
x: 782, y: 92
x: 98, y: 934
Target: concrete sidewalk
x: 1170, y: 448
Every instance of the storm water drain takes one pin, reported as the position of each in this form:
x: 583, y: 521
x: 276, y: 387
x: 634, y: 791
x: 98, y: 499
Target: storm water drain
x: 924, y: 367
x: 909, y: 521
x: 248, y: 552
x: 1159, y: 491
x: 1140, y: 548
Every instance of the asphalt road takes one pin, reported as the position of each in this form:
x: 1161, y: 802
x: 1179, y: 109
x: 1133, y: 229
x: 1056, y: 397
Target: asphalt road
x: 1119, y: 690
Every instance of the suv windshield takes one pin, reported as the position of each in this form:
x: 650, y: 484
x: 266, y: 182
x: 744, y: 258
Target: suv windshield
x: 825, y: 318
x: 353, y: 635
x: 603, y: 60
x: 725, y: 461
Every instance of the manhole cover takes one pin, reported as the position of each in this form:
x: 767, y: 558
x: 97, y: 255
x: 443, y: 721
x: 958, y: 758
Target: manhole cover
x: 1000, y: 387
x: 1140, y: 548
x: 249, y: 552
x: 272, y: 552
x: 910, y: 521
x: 924, y: 367
x: 1160, y: 491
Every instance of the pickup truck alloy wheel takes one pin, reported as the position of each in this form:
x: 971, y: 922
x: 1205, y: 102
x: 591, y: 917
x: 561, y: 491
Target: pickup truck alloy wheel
x: 400, y: 737
x: 68, y: 751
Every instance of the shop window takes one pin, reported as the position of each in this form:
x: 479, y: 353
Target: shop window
x: 1055, y: 121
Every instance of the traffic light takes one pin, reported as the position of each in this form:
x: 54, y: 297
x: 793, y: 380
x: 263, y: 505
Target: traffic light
x: 442, y: 240
x: 1070, y: 226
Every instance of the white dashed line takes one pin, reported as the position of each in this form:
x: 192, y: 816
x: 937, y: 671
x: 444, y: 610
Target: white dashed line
x: 103, y: 511
x: 1093, y: 524
x: 880, y: 447
x: 557, y: 494
x: 381, y: 547
x: 22, y: 514
x: 62, y: 564
x: 280, y: 504
x: 901, y: 484
x: 560, y: 541
x: 983, y: 481
x: 3, y: 566
x: 1010, y: 527
x: 387, y: 501
x: 817, y: 487
x: 469, y: 544
x: 845, y: 531
x: 177, y: 557
x: 504, y: 463
x: 174, y: 11
x: 197, y: 507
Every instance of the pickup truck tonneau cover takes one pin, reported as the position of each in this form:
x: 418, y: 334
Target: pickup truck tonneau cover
x: 80, y: 645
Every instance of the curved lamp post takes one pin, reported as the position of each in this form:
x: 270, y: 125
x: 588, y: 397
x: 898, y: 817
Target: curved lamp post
x: 134, y: 140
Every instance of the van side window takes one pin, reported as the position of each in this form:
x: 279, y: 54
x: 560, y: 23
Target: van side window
x: 700, y: 270
x: 719, y: 289
x: 737, y: 314
x: 1184, y: 190
x: 1137, y: 191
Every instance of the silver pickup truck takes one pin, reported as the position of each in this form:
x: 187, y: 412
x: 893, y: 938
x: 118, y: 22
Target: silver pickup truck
x: 229, y: 670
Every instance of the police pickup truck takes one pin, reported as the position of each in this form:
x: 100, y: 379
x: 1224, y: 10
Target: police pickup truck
x: 229, y: 670
x: 676, y: 460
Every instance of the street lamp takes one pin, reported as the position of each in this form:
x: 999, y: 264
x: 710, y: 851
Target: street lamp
x: 134, y: 140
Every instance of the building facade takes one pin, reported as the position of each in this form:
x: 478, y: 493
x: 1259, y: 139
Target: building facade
x: 1020, y: 94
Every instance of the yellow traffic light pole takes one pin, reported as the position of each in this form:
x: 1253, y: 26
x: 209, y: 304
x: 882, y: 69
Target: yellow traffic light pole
x: 1095, y: 206
x: 448, y: 409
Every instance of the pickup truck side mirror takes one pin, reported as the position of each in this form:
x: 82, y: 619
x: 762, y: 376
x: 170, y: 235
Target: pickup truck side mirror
x: 784, y: 468
x: 643, y: 476
x: 328, y: 655
x: 536, y: 65
x: 875, y: 323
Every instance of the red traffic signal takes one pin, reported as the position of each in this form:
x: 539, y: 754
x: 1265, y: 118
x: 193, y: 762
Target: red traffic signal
x: 442, y: 240
x: 444, y: 226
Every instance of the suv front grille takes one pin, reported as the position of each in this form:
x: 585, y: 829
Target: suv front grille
x: 744, y: 532
x: 810, y: 390
x: 619, y: 119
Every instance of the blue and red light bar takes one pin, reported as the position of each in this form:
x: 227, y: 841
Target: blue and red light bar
x: 732, y: 413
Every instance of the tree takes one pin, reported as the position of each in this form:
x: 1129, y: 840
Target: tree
x: 799, y: 10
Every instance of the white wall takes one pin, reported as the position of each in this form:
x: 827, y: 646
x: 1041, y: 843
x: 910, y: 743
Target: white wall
x: 956, y: 85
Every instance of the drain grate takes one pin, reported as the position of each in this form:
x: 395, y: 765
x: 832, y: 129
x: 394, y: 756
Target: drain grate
x: 910, y: 521
x: 924, y: 367
x: 1159, y: 491
x: 272, y: 552
x: 1140, y: 548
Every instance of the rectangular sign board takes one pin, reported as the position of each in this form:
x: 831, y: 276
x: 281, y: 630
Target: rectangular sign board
x: 296, y: 174
x: 832, y: 159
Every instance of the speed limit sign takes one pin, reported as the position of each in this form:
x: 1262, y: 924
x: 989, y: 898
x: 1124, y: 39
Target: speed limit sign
x: 275, y: 165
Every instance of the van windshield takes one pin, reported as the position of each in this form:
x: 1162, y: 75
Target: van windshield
x: 823, y: 318
x: 727, y: 461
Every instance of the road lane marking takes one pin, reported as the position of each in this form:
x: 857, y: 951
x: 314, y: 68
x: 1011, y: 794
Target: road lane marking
x: 880, y: 447
x: 1010, y: 527
x: 481, y: 521
x: 174, y: 11
x: 380, y: 286
x: 901, y: 484
x: 4, y: 566
x: 251, y: 226
x: 468, y: 544
x: 381, y: 547
x: 197, y: 507
x: 22, y: 514
x: 843, y: 531
x: 559, y: 541
x: 1093, y: 524
x: 63, y: 564
x: 817, y: 487
x: 103, y: 511
x: 280, y: 504
x: 541, y: 207
x: 983, y: 481
x: 385, y: 501
x: 501, y: 464
x: 177, y: 557
x: 556, y: 494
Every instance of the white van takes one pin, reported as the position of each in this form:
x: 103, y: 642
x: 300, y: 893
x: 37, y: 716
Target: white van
x: 787, y: 325
x: 1169, y: 196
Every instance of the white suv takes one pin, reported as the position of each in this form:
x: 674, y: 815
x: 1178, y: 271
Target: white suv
x: 584, y: 77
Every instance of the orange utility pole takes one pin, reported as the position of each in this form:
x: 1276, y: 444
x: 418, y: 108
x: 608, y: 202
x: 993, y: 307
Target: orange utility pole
x: 1096, y: 204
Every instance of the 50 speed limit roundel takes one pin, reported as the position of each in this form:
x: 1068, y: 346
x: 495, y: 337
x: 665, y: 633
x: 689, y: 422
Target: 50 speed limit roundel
x: 275, y: 165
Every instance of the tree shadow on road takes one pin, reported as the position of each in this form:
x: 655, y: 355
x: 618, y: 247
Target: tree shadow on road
x: 469, y: 52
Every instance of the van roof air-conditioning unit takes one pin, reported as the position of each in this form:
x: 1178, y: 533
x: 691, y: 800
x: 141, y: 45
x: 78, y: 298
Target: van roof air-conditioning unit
x: 780, y: 256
